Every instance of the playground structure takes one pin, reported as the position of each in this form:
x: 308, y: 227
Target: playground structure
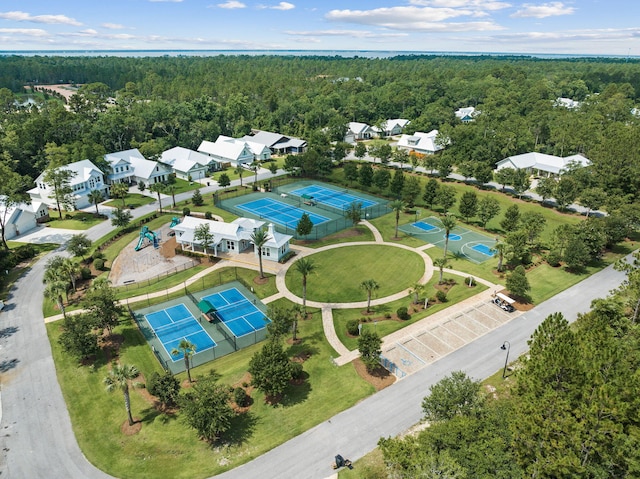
x: 147, y: 234
x: 174, y: 221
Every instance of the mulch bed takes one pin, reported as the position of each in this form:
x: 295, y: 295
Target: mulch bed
x: 380, y: 378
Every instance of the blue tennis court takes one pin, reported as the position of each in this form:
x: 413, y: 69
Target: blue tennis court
x: 334, y: 198
x: 237, y: 312
x: 279, y: 212
x: 483, y: 249
x: 172, y: 325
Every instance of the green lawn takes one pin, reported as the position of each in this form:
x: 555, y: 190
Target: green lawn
x: 384, y: 327
x: 132, y: 200
x: 350, y: 235
x: 339, y: 272
x: 165, y: 446
x: 74, y: 220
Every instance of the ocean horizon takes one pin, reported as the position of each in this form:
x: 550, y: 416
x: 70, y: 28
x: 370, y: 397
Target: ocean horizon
x: 323, y: 53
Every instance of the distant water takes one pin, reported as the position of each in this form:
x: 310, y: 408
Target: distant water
x: 323, y: 53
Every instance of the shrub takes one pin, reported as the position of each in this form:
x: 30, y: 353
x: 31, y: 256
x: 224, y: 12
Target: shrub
x: 208, y: 215
x: 186, y: 211
x: 26, y: 251
x: 403, y: 313
x: 85, y: 273
x: 554, y: 258
x: 240, y: 397
x: 97, y: 255
x: 441, y: 296
x: 297, y: 372
x: 387, y: 315
x: 197, y: 198
x: 99, y: 264
x: 352, y: 327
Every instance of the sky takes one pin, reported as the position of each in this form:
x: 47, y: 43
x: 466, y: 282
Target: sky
x: 597, y: 27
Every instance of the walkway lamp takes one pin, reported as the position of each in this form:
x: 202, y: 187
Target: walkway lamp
x: 506, y: 361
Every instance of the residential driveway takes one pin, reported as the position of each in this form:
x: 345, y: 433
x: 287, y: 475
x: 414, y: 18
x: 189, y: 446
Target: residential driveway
x: 45, y: 234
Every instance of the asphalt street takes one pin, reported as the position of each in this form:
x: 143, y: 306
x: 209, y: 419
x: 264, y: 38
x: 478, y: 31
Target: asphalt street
x: 37, y: 440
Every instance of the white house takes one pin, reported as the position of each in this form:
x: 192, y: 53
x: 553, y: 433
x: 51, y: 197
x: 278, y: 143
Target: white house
x: 540, y: 164
x: 466, y: 115
x: 277, y: 143
x: 22, y: 218
x: 121, y: 168
x: 391, y: 127
x: 86, y: 177
x: 423, y: 143
x: 567, y: 103
x: 234, y: 153
x: 231, y: 238
x: 358, y: 131
x: 187, y: 164
x: 260, y: 152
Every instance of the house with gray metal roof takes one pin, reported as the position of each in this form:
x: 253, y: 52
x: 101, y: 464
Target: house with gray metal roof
x: 541, y: 164
x: 188, y: 164
x: 277, y: 143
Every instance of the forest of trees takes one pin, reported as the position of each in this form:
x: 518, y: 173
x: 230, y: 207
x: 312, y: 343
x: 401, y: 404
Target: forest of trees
x: 180, y: 101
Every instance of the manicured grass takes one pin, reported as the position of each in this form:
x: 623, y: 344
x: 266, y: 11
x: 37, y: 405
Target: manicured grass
x: 339, y: 273
x: 132, y: 200
x: 384, y: 327
x: 182, y: 186
x: 350, y: 235
x: 74, y: 220
x: 7, y: 279
x: 207, y: 206
x: 165, y: 446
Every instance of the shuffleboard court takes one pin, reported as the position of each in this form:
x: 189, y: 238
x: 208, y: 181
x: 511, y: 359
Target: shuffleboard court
x: 279, y: 212
x: 338, y: 199
x: 172, y: 325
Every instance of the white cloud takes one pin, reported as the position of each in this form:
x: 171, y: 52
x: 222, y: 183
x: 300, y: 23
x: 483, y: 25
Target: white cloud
x: 481, y: 4
x: 30, y: 32
x: 345, y: 33
x: 552, y: 9
x: 18, y: 16
x: 112, y: 26
x: 602, y: 35
x: 231, y: 4
x: 284, y: 6
x: 412, y: 18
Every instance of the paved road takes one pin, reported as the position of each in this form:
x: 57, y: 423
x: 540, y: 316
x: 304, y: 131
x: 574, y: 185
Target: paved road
x: 355, y: 432
x: 37, y: 441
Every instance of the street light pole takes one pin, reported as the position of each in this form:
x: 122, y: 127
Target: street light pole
x: 506, y: 361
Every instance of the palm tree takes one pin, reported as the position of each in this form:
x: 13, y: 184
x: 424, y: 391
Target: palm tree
x: 187, y: 349
x: 397, y: 206
x: 440, y: 263
x: 501, y: 249
x: 54, y: 291
x: 171, y: 189
x: 118, y: 378
x: 158, y: 188
x: 95, y: 197
x: 72, y: 270
x: 416, y: 290
x: 255, y: 166
x: 239, y: 171
x: 120, y: 190
x: 259, y: 238
x: 298, y: 314
x: 369, y: 285
x: 305, y: 267
x: 448, y: 222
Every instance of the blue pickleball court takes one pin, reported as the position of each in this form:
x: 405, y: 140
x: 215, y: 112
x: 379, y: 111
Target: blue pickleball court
x: 240, y: 315
x: 172, y: 325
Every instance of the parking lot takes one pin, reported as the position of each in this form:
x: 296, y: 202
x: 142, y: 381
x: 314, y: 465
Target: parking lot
x: 423, y: 347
